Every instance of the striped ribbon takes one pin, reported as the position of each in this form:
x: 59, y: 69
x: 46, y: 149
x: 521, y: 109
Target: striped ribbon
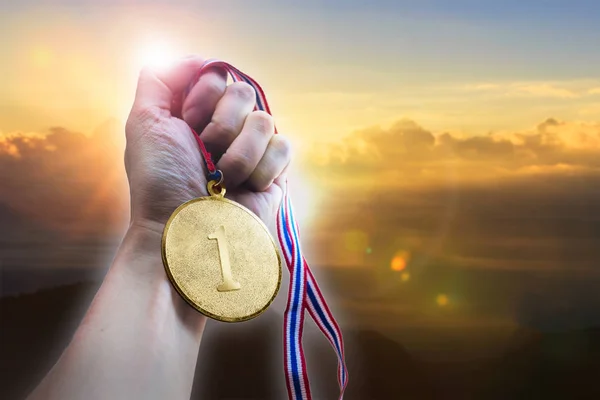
x: 304, y: 293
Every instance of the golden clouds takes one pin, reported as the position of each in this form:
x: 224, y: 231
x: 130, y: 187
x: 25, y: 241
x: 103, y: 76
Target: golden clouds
x: 549, y: 90
x: 65, y: 180
x: 542, y: 90
x: 408, y: 153
x: 520, y: 200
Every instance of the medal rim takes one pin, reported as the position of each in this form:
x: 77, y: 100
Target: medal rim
x: 180, y: 291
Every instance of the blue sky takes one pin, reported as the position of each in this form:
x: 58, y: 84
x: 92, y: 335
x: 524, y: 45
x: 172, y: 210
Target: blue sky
x: 399, y: 55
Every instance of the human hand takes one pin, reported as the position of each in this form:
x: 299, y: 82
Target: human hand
x: 163, y: 161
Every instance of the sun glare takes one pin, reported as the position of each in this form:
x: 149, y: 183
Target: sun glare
x: 304, y: 197
x: 156, y: 54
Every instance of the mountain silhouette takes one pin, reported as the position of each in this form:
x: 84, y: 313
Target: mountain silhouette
x: 548, y: 364
x: 244, y: 361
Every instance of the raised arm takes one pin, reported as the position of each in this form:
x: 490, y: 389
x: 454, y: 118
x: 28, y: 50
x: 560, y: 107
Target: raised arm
x: 139, y: 339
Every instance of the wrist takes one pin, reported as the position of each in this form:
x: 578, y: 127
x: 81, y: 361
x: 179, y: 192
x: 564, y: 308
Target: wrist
x: 139, y: 266
x: 142, y: 230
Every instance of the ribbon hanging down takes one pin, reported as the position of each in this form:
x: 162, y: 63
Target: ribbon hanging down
x: 304, y: 293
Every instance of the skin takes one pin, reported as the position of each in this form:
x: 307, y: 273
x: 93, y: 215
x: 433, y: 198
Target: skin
x: 139, y: 339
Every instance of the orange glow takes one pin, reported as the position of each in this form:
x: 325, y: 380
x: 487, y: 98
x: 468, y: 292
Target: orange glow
x: 400, y: 261
x: 442, y: 300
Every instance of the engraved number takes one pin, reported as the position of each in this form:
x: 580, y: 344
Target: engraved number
x: 228, y: 283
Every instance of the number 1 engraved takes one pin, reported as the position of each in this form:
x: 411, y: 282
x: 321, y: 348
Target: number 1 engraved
x: 228, y: 283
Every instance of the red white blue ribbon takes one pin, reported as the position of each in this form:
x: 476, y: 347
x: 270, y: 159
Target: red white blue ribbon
x: 304, y: 293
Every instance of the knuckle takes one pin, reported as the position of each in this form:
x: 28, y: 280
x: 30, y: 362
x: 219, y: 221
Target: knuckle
x: 142, y: 119
x: 260, y: 179
x: 242, y: 90
x: 147, y: 115
x: 213, y: 86
x: 262, y: 122
x: 146, y: 73
x: 225, y: 127
x: 239, y: 162
x: 258, y: 184
x: 192, y: 112
x: 282, y: 146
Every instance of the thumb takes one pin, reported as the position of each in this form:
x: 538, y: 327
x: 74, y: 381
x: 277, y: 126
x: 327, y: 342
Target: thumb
x: 157, y: 87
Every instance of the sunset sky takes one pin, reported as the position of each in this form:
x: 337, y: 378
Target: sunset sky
x: 449, y: 145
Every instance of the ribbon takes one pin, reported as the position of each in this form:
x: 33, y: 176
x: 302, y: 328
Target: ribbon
x: 304, y: 293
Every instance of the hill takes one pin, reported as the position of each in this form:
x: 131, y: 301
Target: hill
x: 550, y: 365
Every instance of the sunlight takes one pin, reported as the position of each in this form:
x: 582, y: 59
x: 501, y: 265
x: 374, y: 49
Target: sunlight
x: 157, y: 53
x: 304, y: 197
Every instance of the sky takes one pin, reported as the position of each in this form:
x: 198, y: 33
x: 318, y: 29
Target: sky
x: 447, y: 154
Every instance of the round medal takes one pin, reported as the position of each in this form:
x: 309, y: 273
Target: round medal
x: 221, y: 258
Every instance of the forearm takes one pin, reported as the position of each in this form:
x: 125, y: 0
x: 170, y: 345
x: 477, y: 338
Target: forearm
x: 138, y: 340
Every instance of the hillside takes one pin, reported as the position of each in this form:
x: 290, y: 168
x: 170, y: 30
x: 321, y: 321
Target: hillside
x: 555, y: 365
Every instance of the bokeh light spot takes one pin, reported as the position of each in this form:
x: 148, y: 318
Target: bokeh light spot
x: 442, y: 300
x: 400, y: 261
x: 405, y: 277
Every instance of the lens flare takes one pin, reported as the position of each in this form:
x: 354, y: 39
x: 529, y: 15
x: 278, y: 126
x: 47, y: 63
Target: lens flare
x: 442, y: 300
x: 400, y: 261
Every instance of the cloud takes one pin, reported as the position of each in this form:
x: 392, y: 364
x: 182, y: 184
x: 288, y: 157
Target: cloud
x: 483, y: 86
x: 523, y: 201
x: 407, y: 153
x: 487, y: 220
x: 592, y: 109
x: 402, y: 187
x: 541, y: 90
x: 65, y: 181
x: 594, y: 91
x: 558, y: 90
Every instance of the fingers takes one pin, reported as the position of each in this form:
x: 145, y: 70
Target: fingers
x: 228, y: 119
x: 272, y: 164
x: 158, y: 86
x: 199, y: 105
x: 247, y: 150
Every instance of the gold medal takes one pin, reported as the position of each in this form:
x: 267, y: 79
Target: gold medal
x: 221, y: 258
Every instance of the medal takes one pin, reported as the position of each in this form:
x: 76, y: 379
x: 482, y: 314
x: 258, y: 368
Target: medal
x: 221, y: 258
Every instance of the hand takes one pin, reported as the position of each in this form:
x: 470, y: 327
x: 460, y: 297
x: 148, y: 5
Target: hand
x: 163, y: 161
